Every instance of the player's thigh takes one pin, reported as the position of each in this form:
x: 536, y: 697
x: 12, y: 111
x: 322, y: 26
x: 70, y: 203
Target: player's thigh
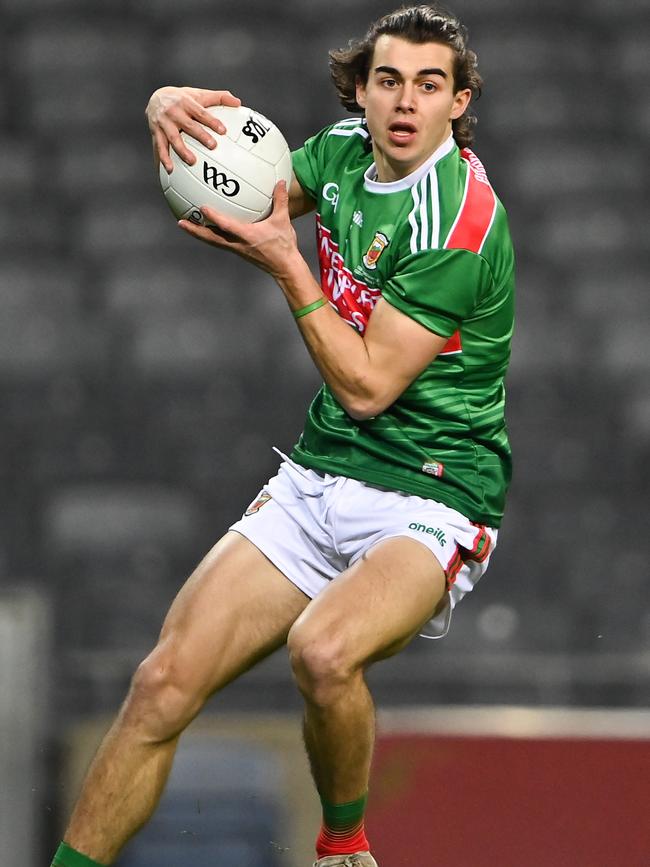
x: 377, y: 606
x: 235, y: 609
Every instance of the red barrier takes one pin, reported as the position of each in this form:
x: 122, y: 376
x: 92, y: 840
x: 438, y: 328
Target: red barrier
x: 499, y: 801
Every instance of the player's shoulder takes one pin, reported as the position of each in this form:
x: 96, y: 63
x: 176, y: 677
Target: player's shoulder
x: 335, y: 149
x: 471, y: 212
x: 349, y: 127
x: 457, y: 221
x: 345, y: 137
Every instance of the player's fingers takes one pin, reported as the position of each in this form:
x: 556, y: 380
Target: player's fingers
x: 280, y: 192
x: 227, y: 98
x: 210, y: 234
x: 176, y: 121
x: 162, y: 148
x: 176, y: 141
x: 207, y: 118
x: 226, y: 227
x: 216, y: 97
x: 190, y: 114
x: 197, y: 131
x: 197, y: 231
x: 226, y: 238
x: 199, y: 100
x: 280, y: 199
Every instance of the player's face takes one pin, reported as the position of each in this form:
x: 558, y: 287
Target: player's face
x: 409, y: 101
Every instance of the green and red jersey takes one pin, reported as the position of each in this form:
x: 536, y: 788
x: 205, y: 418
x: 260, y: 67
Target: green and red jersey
x: 436, y: 246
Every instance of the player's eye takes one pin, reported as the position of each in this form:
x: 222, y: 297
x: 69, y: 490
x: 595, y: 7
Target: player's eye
x: 389, y: 82
x: 429, y: 86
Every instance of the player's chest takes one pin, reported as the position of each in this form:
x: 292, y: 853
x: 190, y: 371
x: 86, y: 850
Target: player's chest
x: 357, y: 236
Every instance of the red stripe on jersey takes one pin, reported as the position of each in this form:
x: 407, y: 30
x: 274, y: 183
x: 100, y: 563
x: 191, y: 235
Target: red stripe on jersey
x: 476, y: 211
x: 453, y: 345
x: 353, y: 299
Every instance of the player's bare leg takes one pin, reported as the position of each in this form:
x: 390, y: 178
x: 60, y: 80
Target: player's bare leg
x: 234, y: 610
x: 368, y: 613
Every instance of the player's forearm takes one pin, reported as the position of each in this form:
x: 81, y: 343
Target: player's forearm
x: 338, y: 350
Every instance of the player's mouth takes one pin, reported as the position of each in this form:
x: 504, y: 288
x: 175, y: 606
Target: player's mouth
x: 401, y: 132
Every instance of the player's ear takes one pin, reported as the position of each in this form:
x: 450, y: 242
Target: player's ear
x: 461, y: 101
x: 360, y: 87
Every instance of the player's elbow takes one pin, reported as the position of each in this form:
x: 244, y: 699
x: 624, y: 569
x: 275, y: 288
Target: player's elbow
x: 368, y: 395
x: 360, y: 412
x: 362, y: 407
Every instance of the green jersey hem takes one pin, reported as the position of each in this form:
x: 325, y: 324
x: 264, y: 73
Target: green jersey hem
x: 395, y: 482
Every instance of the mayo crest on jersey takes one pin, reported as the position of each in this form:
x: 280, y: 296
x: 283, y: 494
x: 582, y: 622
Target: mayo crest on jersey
x: 436, y: 246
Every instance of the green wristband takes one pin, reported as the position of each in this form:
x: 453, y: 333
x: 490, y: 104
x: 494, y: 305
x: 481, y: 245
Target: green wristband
x: 66, y: 856
x: 308, y: 309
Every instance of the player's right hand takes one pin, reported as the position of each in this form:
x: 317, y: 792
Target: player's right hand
x: 172, y: 110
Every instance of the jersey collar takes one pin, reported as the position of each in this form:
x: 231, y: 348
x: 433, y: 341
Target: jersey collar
x: 375, y: 186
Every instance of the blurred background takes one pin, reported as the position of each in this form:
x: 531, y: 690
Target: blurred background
x: 144, y: 377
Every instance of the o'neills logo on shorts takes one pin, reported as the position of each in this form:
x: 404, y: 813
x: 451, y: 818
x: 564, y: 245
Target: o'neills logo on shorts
x: 377, y: 247
x: 436, y: 532
x: 257, y: 504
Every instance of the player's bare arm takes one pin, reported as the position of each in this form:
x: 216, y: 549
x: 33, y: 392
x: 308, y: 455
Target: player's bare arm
x: 173, y: 110
x: 300, y: 202
x: 366, y: 373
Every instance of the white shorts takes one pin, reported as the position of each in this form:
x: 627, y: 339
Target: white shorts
x: 313, y: 526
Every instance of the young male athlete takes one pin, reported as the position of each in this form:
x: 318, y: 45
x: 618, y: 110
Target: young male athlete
x: 385, y: 514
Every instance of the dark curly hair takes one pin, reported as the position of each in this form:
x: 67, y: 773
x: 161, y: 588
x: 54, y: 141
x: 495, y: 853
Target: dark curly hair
x: 416, y: 24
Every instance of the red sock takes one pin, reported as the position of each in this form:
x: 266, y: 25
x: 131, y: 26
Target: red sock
x: 342, y: 831
x: 327, y: 844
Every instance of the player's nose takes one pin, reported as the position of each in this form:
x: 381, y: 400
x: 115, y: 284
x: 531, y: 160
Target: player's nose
x: 406, y: 100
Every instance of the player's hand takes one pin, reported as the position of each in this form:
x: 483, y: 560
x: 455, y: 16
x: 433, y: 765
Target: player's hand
x: 172, y: 110
x: 270, y: 244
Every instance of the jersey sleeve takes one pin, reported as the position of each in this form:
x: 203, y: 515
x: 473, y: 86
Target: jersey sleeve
x: 438, y: 288
x: 342, y: 142
x: 307, y: 163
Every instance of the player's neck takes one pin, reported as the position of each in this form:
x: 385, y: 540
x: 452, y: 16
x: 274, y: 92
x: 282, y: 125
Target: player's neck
x: 386, y: 171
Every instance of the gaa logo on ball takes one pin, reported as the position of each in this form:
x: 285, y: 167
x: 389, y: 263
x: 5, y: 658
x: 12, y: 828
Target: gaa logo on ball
x: 238, y: 177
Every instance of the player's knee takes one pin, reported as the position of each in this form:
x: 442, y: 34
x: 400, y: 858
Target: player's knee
x: 160, y: 702
x: 321, y: 665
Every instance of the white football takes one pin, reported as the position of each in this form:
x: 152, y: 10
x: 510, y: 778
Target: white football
x: 237, y: 177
